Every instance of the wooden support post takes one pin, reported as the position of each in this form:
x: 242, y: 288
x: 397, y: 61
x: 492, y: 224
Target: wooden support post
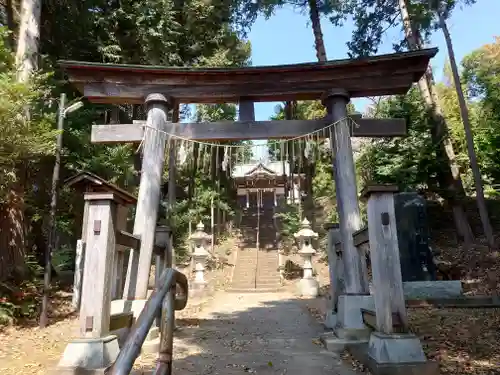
x: 162, y: 259
x: 334, y: 266
x: 136, y: 284
x: 78, y: 279
x: 98, y: 270
x: 121, y: 256
x: 384, y: 252
x: 345, y: 185
x: 212, y: 225
x: 246, y: 110
x: 172, y: 156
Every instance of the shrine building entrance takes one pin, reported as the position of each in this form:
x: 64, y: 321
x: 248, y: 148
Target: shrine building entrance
x: 265, y: 185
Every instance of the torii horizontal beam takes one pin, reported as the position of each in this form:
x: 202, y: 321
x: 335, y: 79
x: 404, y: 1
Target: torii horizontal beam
x: 247, y: 130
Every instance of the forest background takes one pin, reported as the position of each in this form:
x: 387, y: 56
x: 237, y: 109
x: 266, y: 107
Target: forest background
x: 433, y: 159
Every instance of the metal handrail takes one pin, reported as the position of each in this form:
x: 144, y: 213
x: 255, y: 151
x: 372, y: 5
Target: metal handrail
x: 257, y: 240
x: 163, y: 297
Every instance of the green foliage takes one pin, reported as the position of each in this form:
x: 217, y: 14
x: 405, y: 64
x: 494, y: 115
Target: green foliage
x: 23, y: 138
x: 289, y: 219
x: 411, y: 162
x: 167, y: 32
x: 372, y: 19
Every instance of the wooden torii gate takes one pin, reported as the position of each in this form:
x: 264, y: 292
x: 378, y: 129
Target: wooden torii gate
x: 161, y: 88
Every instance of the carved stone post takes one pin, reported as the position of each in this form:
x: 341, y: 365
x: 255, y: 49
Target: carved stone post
x: 308, y: 285
x: 387, y: 348
x: 200, y: 255
x: 96, y: 349
x: 139, y: 266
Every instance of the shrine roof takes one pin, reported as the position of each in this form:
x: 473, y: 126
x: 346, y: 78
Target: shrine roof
x: 247, y: 170
x: 97, y: 183
x: 388, y: 74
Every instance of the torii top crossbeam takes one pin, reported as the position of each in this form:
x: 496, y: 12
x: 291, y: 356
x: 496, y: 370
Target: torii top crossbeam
x: 389, y: 74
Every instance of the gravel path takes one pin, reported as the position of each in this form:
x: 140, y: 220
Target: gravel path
x: 270, y: 333
x: 229, y: 334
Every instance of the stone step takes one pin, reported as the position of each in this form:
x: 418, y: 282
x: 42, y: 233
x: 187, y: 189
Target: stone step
x: 339, y: 345
x: 267, y: 286
x: 242, y: 286
x: 243, y: 281
x: 268, y: 281
x: 255, y: 290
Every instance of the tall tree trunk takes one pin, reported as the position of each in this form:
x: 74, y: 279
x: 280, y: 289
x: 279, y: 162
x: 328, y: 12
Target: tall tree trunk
x: 12, y: 234
x: 464, y: 113
x: 12, y: 231
x: 316, y: 27
x: 194, y: 168
x: 449, y: 178
x: 28, y: 38
x: 319, y: 45
x: 9, y: 16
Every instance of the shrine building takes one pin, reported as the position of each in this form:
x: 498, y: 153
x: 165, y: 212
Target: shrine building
x: 266, y: 184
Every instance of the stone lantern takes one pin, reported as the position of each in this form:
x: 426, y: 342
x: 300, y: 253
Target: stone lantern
x: 308, y: 286
x: 200, y: 240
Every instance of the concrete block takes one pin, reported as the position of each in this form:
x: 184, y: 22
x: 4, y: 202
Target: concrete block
x: 360, y: 334
x: 349, y: 310
x: 395, y: 348
x: 338, y: 345
x: 198, y: 289
x: 432, y: 289
x: 330, y: 321
x: 88, y: 356
x: 308, y: 287
x: 360, y: 353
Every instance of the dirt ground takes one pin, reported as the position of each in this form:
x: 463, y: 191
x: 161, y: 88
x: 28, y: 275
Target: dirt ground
x: 463, y: 341
x: 27, y: 349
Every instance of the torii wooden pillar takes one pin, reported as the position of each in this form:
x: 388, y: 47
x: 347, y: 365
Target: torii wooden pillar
x: 148, y: 201
x: 346, y: 188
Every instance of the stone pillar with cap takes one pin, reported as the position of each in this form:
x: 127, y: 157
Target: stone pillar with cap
x: 96, y: 348
x: 308, y: 285
x: 200, y: 255
x: 389, y: 348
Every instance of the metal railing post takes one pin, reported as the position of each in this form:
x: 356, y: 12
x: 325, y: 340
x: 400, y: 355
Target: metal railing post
x: 132, y: 347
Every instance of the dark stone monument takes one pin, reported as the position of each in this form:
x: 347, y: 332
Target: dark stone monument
x: 413, y: 237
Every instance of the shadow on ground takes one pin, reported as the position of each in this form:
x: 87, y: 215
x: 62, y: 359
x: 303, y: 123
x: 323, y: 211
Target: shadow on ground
x: 273, y: 337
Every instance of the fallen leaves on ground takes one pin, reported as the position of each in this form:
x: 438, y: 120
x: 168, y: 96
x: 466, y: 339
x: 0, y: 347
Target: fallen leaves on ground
x: 356, y: 365
x: 31, y: 350
x: 462, y: 341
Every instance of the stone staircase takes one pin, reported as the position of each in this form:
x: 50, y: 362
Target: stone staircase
x: 257, y: 262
